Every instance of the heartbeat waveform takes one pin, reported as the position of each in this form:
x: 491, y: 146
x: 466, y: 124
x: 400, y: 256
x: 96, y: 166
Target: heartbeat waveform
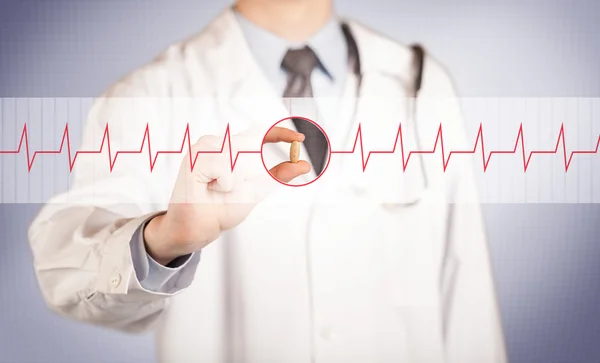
x: 439, y: 140
x: 72, y: 158
x: 358, y: 141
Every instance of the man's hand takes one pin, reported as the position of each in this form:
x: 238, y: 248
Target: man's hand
x: 211, y: 198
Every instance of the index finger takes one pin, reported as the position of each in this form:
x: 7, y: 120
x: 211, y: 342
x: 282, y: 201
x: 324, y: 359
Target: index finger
x: 281, y: 134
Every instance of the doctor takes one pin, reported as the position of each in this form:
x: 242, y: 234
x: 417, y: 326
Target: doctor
x: 392, y: 268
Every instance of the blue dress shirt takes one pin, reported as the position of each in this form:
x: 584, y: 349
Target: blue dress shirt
x: 328, y: 44
x: 268, y: 50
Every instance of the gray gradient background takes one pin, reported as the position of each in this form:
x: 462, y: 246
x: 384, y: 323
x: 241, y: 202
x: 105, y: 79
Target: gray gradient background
x: 546, y: 257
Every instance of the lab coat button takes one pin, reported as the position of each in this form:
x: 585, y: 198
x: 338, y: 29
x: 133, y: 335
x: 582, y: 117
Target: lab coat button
x: 115, y: 280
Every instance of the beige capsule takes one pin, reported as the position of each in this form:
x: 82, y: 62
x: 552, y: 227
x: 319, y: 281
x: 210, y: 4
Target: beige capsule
x: 295, y: 151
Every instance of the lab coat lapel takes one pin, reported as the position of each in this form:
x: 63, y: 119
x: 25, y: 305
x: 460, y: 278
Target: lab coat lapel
x: 247, y: 98
x: 379, y: 110
x: 372, y: 86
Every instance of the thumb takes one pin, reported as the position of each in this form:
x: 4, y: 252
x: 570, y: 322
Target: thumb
x: 287, y: 171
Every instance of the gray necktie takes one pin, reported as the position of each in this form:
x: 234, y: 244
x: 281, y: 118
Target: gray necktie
x: 299, y: 64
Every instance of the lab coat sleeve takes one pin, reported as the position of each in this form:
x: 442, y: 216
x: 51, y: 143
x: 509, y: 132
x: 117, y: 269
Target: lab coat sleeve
x: 154, y: 276
x: 82, y: 239
x: 472, y: 328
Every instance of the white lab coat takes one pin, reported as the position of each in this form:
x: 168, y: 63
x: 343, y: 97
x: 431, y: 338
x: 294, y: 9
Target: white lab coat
x: 384, y: 270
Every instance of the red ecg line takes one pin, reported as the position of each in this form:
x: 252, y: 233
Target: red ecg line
x: 479, y: 140
x: 72, y: 158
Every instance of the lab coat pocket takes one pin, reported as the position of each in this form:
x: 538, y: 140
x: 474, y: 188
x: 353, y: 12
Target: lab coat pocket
x: 384, y: 180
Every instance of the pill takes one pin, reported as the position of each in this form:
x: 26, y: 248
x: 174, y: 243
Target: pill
x: 294, y: 151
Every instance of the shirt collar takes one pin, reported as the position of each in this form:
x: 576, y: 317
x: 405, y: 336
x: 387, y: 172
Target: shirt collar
x: 268, y: 49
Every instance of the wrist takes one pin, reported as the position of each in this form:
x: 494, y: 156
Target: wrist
x: 157, y: 243
x: 166, y: 237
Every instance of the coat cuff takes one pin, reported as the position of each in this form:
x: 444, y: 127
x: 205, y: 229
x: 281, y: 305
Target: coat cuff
x: 126, y: 267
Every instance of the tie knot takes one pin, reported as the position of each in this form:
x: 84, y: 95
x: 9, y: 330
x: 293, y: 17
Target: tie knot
x: 300, y: 61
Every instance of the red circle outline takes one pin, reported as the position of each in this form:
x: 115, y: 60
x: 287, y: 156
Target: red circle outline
x: 328, y: 151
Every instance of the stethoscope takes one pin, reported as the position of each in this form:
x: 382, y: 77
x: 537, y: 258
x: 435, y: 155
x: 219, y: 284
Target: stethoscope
x: 413, y: 88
